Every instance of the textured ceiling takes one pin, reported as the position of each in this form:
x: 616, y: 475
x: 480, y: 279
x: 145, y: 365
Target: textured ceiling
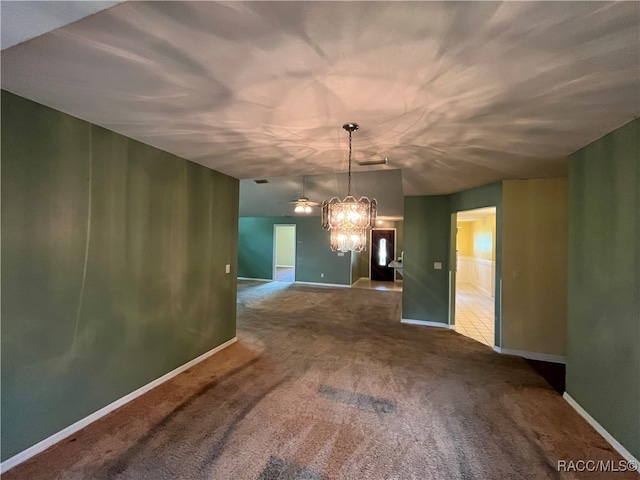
x: 455, y: 94
x: 23, y: 20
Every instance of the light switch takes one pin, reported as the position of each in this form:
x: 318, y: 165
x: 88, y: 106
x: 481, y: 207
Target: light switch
x: 227, y: 269
x: 437, y: 265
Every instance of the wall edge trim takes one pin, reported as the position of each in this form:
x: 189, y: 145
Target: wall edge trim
x: 42, y: 445
x: 600, y: 429
x: 543, y: 357
x: 426, y: 323
x: 256, y: 279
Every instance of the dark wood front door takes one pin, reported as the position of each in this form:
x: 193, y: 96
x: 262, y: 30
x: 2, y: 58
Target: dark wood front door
x: 382, y: 253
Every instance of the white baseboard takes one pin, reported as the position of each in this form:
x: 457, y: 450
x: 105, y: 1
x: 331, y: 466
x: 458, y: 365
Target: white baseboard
x: 323, y: 284
x: 426, y: 323
x: 80, y: 424
x: 285, y: 266
x: 543, y: 357
x: 600, y: 429
x: 256, y: 279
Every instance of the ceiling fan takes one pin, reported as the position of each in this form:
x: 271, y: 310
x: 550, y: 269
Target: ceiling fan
x: 302, y: 203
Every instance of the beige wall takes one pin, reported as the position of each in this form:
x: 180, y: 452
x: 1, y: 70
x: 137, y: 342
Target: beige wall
x: 477, y: 238
x: 476, y: 247
x: 285, y: 245
x: 534, y: 265
x: 484, y: 234
x: 464, y: 239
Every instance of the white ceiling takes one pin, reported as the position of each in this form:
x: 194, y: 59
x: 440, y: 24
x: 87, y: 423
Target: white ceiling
x: 456, y: 94
x: 23, y: 20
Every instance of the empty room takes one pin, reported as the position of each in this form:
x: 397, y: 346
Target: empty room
x: 320, y: 240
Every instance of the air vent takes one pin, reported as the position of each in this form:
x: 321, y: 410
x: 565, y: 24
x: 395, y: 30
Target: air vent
x: 384, y: 161
x: 262, y: 180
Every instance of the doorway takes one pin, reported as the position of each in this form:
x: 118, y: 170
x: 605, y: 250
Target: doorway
x: 284, y: 253
x: 475, y: 274
x: 383, y: 252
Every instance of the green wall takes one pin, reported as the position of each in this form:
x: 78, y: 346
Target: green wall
x: 313, y: 254
x: 113, y: 267
x: 255, y: 247
x: 426, y: 240
x: 479, y: 197
x: 603, y: 325
x: 355, y: 266
x: 428, y: 231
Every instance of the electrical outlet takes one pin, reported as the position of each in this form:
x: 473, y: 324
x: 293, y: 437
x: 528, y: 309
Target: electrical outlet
x: 227, y: 268
x: 437, y: 265
x: 322, y: 275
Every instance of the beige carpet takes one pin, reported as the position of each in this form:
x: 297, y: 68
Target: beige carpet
x: 326, y: 383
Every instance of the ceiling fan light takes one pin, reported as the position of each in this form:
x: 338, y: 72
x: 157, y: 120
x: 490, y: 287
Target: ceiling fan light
x: 303, y: 204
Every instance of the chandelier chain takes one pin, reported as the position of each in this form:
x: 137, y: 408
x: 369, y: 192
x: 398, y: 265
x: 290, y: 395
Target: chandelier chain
x: 349, y: 184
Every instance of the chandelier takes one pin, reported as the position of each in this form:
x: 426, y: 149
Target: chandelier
x: 349, y: 220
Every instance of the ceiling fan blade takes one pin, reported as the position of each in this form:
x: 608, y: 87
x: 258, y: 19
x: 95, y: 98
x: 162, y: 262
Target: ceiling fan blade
x: 365, y: 163
x: 304, y: 201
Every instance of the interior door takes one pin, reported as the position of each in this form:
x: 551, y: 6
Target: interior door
x: 382, y: 253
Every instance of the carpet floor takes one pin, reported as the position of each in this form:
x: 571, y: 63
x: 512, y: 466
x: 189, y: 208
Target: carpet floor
x: 325, y: 383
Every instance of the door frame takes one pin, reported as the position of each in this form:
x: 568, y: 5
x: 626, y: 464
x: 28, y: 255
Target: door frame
x: 497, y: 277
x: 395, y: 238
x: 275, y: 248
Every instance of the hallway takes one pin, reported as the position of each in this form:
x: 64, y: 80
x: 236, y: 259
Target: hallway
x: 474, y: 313
x: 285, y: 274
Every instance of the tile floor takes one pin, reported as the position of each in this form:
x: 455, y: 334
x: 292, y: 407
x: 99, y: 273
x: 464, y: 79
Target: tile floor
x: 474, y: 313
